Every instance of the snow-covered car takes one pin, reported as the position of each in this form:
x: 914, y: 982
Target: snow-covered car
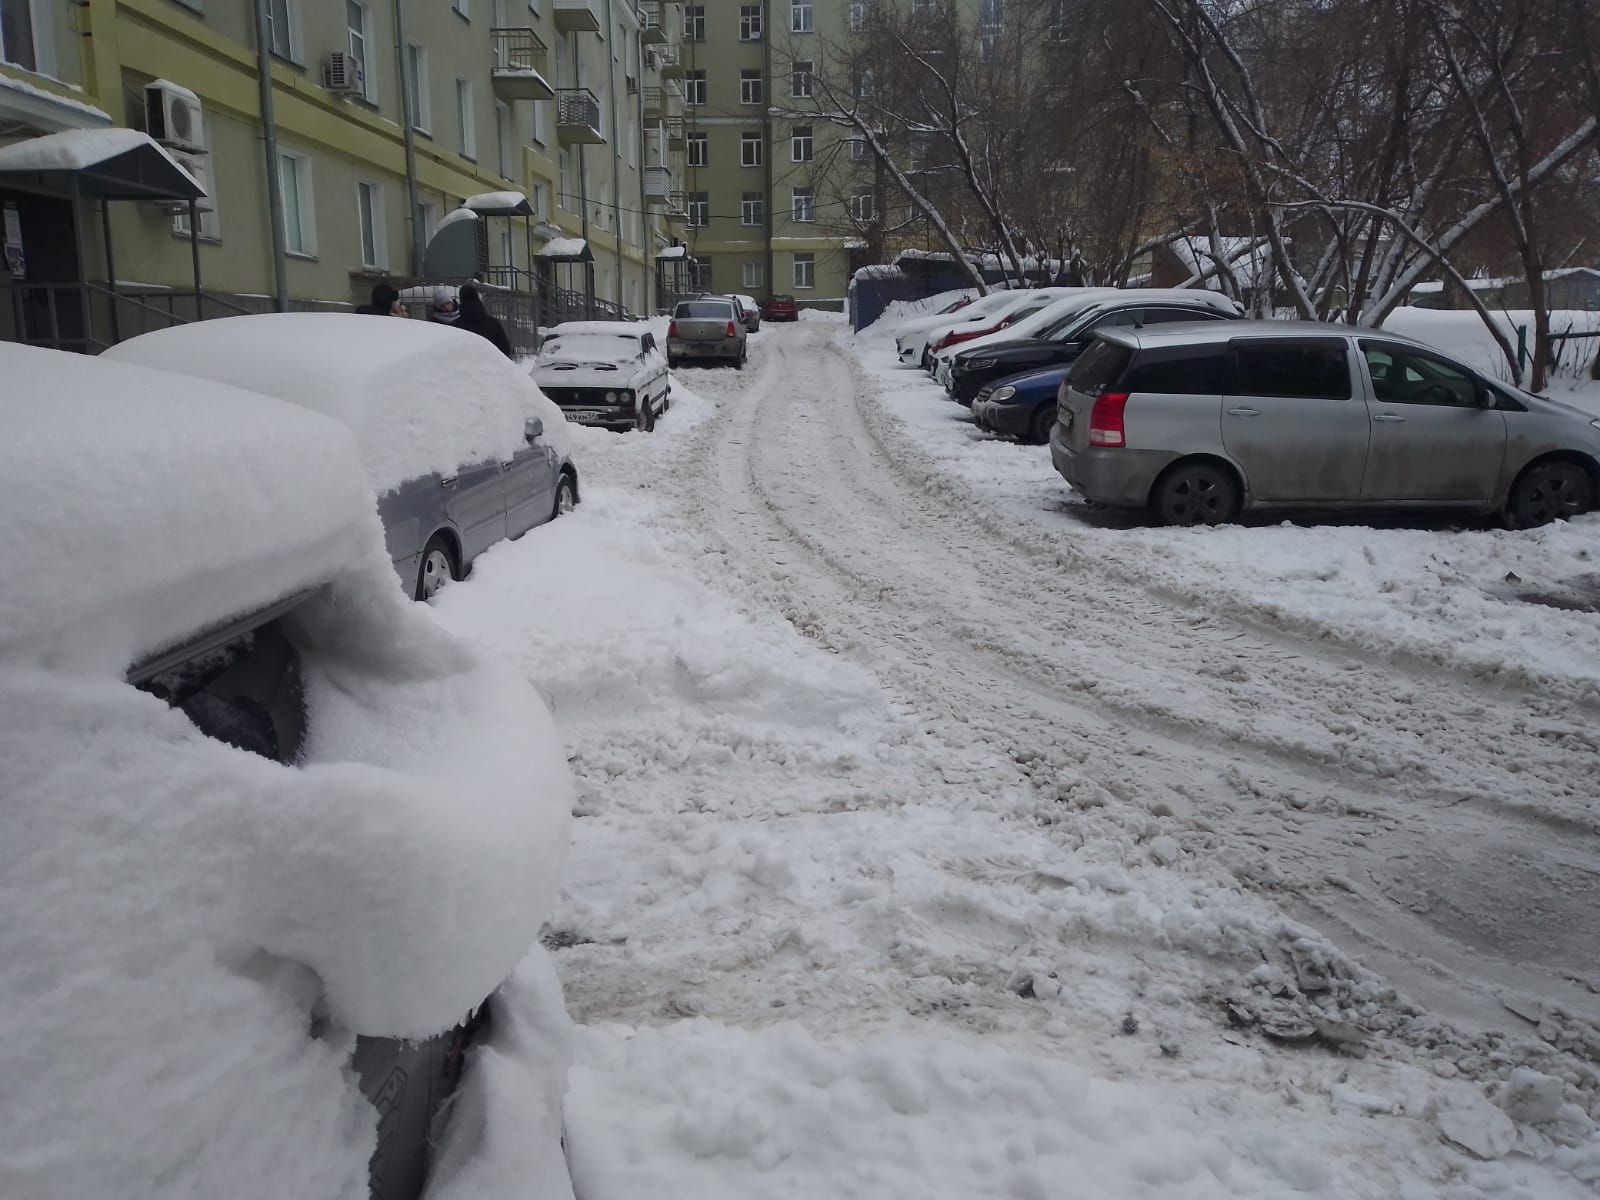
x: 750, y: 310
x: 981, y: 316
x: 460, y: 446
x: 270, y: 833
x: 606, y: 373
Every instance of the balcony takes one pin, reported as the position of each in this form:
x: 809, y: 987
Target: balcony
x: 657, y: 184
x: 666, y: 59
x: 521, y: 65
x: 675, y: 136
x: 677, y: 210
x: 662, y: 103
x: 578, y: 118
x: 577, y: 16
x: 653, y: 18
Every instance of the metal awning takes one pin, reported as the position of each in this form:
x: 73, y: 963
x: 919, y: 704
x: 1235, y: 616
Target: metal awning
x: 97, y: 164
x: 566, y: 250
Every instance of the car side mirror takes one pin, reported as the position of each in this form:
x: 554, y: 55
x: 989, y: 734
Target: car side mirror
x: 533, y: 429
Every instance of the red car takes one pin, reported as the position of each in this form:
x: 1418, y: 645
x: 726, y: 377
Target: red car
x: 780, y: 308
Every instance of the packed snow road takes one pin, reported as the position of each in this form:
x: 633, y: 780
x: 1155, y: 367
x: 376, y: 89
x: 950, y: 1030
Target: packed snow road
x: 914, y: 834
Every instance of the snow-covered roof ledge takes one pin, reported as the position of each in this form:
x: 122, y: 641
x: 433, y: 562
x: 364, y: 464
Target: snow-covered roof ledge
x: 673, y: 252
x: 565, y: 249
x: 499, y: 204
x: 23, y: 103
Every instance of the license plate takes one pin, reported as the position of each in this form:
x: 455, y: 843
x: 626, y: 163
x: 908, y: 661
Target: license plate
x: 586, y: 418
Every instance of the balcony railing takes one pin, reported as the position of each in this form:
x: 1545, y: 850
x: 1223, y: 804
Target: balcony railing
x: 657, y: 184
x: 581, y: 16
x: 663, y: 102
x: 677, y: 210
x: 668, y: 60
x: 578, y: 117
x: 653, y: 16
x: 521, y: 65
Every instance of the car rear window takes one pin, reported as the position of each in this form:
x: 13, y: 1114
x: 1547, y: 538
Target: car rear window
x: 1099, y: 368
x: 1187, y: 375
x: 1300, y: 370
x: 714, y: 310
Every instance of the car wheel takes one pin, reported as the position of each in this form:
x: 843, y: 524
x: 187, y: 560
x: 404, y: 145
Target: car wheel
x: 1549, y: 491
x: 566, y: 496
x: 646, y: 421
x: 672, y: 363
x: 1195, y: 493
x: 1043, y: 422
x: 438, y: 567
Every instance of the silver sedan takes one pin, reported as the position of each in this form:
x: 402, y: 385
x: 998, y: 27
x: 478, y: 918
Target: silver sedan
x: 711, y: 327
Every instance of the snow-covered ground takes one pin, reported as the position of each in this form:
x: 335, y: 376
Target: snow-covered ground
x: 936, y: 841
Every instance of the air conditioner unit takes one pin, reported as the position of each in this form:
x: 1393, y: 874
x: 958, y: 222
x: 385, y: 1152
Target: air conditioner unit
x: 173, y: 116
x: 196, y: 166
x: 344, y: 75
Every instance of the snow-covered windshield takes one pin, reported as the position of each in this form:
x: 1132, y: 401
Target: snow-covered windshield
x: 590, y: 347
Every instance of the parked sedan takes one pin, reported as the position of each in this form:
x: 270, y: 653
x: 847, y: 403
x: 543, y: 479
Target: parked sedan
x: 750, y: 310
x: 605, y: 373
x: 269, y: 833
x: 1060, y: 343
x: 1199, y: 422
x: 780, y: 308
x: 1023, y: 406
x: 912, y: 338
x: 708, y: 328
x: 461, y: 448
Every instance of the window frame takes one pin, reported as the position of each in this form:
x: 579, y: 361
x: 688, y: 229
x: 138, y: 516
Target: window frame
x: 803, y: 205
x: 747, y: 140
x: 807, y: 24
x: 1396, y: 351
x: 697, y: 139
x: 369, y: 71
x: 305, y: 207
x: 864, y: 207
x: 1240, y: 344
x: 752, y: 209
x: 466, y: 120
x: 694, y: 85
x: 751, y: 27
x: 798, y: 136
x: 700, y: 201
x: 808, y: 260
x: 372, y: 222
x: 751, y: 81
x: 694, y: 22
x: 796, y: 75
x: 294, y: 51
x: 417, y: 85
x: 505, y: 137
x: 754, y: 279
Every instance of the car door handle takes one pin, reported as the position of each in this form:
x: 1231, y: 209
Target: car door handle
x: 448, y: 481
x: 1244, y: 412
x: 1389, y: 417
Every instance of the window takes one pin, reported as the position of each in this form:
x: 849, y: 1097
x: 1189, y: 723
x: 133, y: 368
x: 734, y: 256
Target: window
x: 750, y: 149
x: 417, y: 84
x: 699, y: 150
x: 858, y: 149
x: 805, y: 271
x: 466, y: 127
x: 750, y: 87
x: 210, y: 226
x: 700, y: 276
x: 541, y: 132
x: 863, y: 207
x: 750, y: 22
x: 802, y: 16
x: 694, y: 87
x: 564, y: 196
x: 858, y: 14
x: 282, y: 34
x: 539, y: 200
x: 369, y: 214
x: 427, y: 219
x: 1301, y: 370
x: 1404, y: 376
x: 505, y: 139
x: 752, y: 208
x: 802, y: 207
x: 1195, y: 373
x: 694, y: 22
x: 23, y: 39
x: 700, y: 209
x: 754, y: 270
x: 800, y: 80
x: 358, y: 18
x: 1098, y: 368
x: 800, y: 144
x: 508, y: 245
x: 864, y: 85
x: 299, y: 224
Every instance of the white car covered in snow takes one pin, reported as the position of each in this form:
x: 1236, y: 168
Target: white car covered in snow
x: 976, y: 319
x: 606, y: 373
x: 460, y: 447
x: 269, y: 834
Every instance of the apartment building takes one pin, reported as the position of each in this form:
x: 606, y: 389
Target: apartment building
x: 542, y: 97
x: 774, y: 198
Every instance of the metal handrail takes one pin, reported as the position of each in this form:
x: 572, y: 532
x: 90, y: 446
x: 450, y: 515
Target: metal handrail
x: 519, y: 48
x: 577, y: 106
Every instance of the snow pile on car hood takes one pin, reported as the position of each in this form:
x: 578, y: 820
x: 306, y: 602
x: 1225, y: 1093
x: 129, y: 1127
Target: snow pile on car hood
x: 421, y: 397
x: 130, y: 489
x: 180, y: 915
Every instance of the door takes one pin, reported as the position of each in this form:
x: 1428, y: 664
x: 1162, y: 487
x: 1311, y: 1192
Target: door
x: 1293, y: 421
x: 475, y: 500
x: 530, y: 479
x: 1435, y: 434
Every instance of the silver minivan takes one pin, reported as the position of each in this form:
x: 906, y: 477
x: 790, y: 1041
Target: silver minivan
x: 1197, y: 423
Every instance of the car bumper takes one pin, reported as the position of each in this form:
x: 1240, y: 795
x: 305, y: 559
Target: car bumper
x: 941, y: 371
x: 1109, y: 475
x: 610, y: 417
x: 964, y: 386
x: 1012, y: 420
x: 722, y: 349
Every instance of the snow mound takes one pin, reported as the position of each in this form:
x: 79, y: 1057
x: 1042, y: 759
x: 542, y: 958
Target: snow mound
x: 130, y: 487
x: 421, y: 397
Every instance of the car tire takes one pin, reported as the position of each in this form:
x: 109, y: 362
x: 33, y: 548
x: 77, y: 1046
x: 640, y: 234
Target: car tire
x: 646, y: 421
x: 437, y: 568
x: 1548, y: 491
x: 1195, y: 492
x: 672, y: 363
x: 566, y: 496
x: 1043, y: 422
x: 738, y: 363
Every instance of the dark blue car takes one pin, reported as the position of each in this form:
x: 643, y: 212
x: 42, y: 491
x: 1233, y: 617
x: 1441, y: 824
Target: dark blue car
x: 1023, y: 406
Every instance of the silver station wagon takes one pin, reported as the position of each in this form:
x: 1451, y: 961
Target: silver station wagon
x: 1200, y: 422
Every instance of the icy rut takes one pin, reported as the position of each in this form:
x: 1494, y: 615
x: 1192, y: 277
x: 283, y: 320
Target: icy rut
x: 1012, y: 804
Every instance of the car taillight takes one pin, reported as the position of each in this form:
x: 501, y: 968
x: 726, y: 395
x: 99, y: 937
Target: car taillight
x: 672, y: 329
x: 732, y: 332
x: 1105, y: 421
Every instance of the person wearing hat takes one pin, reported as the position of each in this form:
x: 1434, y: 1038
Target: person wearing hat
x: 476, y: 318
x: 385, y: 302
x: 443, y: 309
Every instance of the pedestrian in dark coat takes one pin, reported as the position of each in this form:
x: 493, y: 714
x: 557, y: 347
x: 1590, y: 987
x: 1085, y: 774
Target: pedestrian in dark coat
x: 385, y: 302
x: 475, y: 317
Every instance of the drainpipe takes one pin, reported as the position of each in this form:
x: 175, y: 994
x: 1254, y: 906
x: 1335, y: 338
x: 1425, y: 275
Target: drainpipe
x: 770, y: 207
x: 269, y: 140
x: 616, y: 158
x: 406, y: 102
